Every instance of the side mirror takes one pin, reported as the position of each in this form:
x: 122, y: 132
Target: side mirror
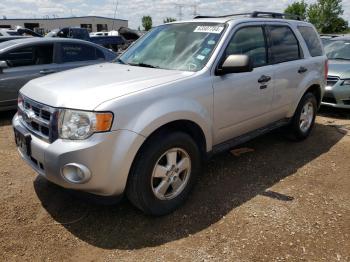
x: 3, y: 65
x: 235, y: 64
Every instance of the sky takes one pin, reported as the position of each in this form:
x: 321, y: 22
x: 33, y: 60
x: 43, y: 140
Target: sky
x: 133, y: 10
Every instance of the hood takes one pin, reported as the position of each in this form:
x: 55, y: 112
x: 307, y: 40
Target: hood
x: 87, y: 87
x: 339, y: 68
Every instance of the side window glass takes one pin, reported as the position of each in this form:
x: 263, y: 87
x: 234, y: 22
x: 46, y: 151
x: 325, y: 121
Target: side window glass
x: 43, y: 54
x: 28, y: 56
x: 284, y: 46
x: 249, y: 41
x: 77, y: 52
x: 311, y: 39
x: 20, y: 57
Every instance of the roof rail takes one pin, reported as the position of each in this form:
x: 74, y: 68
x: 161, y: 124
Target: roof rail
x: 258, y: 14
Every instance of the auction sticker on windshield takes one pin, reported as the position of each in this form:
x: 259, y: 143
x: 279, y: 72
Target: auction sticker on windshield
x: 209, y: 29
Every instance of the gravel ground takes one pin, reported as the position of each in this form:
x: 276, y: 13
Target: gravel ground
x: 284, y: 201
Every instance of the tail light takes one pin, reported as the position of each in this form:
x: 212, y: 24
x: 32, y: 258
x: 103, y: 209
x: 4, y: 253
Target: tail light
x: 326, y: 69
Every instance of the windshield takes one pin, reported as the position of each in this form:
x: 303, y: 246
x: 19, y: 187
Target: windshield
x: 339, y: 49
x: 184, y: 46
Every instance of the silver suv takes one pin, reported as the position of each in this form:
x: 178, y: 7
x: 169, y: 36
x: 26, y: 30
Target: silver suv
x: 143, y: 124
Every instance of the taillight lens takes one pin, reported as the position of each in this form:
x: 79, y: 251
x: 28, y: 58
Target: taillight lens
x: 326, y: 69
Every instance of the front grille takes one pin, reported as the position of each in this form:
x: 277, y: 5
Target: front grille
x: 39, y: 119
x: 332, y: 80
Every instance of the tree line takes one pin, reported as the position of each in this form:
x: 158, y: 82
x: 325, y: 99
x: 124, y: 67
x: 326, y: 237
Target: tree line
x: 325, y: 15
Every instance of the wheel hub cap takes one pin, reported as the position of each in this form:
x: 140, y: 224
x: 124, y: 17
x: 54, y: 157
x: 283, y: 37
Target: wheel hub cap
x: 306, y: 117
x: 171, y: 174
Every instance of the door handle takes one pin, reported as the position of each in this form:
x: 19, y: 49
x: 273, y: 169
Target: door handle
x: 302, y: 70
x: 46, y: 71
x: 264, y: 79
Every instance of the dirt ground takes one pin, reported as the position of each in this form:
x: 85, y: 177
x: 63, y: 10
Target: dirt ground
x: 284, y: 201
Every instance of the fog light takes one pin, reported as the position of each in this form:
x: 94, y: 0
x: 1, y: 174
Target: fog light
x: 76, y: 173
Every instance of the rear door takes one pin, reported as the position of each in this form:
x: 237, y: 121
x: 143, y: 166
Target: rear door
x: 25, y: 63
x: 72, y: 55
x: 288, y: 64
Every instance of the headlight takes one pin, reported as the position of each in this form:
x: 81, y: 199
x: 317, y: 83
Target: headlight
x: 346, y: 82
x: 78, y: 125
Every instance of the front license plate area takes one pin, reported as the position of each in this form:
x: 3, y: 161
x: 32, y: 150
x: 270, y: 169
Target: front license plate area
x: 23, y: 140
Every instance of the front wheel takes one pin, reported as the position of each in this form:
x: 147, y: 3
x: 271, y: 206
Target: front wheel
x: 164, y: 172
x: 304, y: 117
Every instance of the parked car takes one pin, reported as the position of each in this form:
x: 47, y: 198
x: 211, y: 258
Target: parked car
x: 9, y: 38
x: 338, y: 82
x: 9, y: 32
x: 18, y: 32
x: 327, y: 38
x: 183, y: 92
x: 111, y: 42
x: 22, y: 60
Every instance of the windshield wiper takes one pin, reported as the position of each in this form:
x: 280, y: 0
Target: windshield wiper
x: 143, y: 65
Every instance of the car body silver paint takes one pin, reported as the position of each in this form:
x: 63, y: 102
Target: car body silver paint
x: 144, y: 99
x: 340, y: 92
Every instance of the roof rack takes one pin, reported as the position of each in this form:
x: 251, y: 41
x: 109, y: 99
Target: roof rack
x: 258, y: 14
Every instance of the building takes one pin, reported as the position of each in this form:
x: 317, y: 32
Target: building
x: 45, y: 25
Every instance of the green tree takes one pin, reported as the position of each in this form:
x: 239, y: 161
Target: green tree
x: 169, y: 20
x: 297, y: 8
x: 147, y: 22
x: 325, y: 15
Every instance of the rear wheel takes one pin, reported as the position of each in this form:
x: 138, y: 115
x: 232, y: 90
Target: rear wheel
x: 164, y: 173
x: 304, y: 117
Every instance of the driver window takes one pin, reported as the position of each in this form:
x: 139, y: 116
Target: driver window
x: 249, y: 41
x: 28, y: 56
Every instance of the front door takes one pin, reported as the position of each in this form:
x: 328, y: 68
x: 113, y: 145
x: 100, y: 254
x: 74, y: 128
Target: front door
x: 25, y: 64
x: 242, y: 101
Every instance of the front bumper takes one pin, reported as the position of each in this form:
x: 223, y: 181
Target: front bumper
x: 108, y: 156
x: 337, y: 96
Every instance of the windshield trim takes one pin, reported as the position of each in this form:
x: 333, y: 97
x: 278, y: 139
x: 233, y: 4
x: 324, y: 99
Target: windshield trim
x: 225, y: 25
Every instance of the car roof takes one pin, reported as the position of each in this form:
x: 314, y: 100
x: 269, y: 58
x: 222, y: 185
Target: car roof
x: 39, y: 40
x: 238, y: 20
x: 345, y: 37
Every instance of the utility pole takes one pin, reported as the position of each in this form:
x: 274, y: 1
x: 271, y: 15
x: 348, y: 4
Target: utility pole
x: 180, y: 13
x: 115, y: 13
x: 195, y: 13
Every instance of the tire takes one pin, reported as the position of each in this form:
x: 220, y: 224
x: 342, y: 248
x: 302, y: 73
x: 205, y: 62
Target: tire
x: 164, y: 172
x: 304, y: 117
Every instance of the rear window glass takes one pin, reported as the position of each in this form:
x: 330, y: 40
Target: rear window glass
x: 77, y: 52
x: 284, y: 46
x: 311, y: 40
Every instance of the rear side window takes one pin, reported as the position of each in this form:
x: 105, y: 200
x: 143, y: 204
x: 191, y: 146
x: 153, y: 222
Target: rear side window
x: 311, y: 39
x: 249, y: 41
x: 284, y: 45
x: 77, y: 52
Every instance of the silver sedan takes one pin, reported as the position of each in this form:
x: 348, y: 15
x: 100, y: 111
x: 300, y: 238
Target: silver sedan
x: 22, y: 60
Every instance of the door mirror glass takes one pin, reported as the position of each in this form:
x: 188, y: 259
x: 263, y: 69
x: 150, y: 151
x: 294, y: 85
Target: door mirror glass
x: 3, y: 64
x: 235, y: 64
